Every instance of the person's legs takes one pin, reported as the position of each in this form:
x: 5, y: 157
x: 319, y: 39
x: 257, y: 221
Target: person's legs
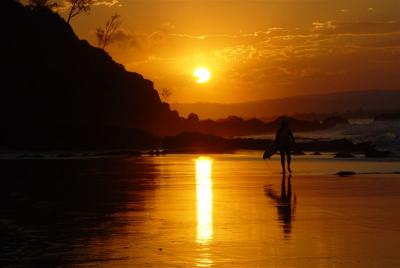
x: 289, y: 159
x: 282, y: 152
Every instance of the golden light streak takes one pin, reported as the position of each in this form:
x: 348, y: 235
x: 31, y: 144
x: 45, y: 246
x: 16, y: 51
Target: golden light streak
x: 204, y: 200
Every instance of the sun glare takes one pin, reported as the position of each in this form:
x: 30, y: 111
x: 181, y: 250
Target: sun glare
x: 202, y: 74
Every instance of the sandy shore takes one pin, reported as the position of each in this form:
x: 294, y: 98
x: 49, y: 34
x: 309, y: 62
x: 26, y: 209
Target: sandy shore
x: 186, y: 211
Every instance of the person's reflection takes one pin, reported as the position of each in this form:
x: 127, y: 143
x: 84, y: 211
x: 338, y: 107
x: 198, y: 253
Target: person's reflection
x: 284, y: 204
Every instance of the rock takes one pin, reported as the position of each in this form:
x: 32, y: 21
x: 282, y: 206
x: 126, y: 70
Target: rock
x: 344, y: 155
x: 316, y: 153
x: 346, y: 173
x: 298, y: 152
x: 373, y: 153
x: 341, y: 145
x: 333, y: 121
x: 66, y: 155
x: 385, y: 117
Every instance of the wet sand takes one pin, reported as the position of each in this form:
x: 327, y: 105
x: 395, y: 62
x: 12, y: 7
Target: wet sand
x: 186, y: 211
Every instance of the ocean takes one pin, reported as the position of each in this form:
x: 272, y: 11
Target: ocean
x: 384, y: 134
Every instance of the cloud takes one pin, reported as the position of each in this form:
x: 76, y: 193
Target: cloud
x: 198, y: 37
x: 330, y: 55
x: 64, y: 5
x: 123, y: 37
x: 166, y: 27
x: 128, y: 39
x: 334, y: 27
x: 108, y: 3
x: 323, y: 26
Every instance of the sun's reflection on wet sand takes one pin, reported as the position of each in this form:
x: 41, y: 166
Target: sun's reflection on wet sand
x: 204, y: 209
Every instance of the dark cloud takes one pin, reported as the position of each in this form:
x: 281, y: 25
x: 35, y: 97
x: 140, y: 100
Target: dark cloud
x: 123, y: 37
x: 332, y: 27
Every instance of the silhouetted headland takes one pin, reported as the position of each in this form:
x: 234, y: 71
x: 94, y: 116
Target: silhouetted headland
x: 60, y: 92
x: 54, y: 79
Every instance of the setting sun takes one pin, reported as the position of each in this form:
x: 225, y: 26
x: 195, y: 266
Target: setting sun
x: 202, y: 74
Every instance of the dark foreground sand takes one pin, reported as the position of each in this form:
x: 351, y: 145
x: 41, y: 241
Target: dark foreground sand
x: 185, y: 211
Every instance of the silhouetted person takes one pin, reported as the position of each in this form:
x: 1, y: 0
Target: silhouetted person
x: 284, y: 204
x: 284, y: 141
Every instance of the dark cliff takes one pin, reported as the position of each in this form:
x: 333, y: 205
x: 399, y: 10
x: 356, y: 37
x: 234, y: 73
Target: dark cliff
x: 52, y: 80
x: 49, y: 76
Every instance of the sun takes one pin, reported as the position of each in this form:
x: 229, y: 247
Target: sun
x: 202, y: 74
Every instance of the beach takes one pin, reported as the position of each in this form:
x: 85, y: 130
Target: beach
x: 226, y: 210
x: 134, y: 134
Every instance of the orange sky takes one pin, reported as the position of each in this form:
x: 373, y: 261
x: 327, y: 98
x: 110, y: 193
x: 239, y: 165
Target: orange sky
x: 255, y: 49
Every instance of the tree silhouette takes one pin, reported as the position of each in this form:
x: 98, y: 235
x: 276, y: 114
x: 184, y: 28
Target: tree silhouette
x: 78, y: 7
x: 104, y: 35
x: 165, y: 93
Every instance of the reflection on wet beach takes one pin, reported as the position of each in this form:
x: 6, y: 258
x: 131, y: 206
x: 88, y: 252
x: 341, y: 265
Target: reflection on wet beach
x: 285, y: 204
x: 53, y: 209
x: 191, y: 211
x: 204, y: 199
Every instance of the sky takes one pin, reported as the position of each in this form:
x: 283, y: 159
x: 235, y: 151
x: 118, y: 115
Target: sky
x: 254, y: 50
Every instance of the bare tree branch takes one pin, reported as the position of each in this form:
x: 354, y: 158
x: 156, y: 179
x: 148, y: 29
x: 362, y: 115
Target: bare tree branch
x: 104, y: 35
x: 78, y: 7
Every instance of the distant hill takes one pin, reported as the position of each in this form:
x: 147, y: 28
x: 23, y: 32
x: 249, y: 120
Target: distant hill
x: 377, y: 100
